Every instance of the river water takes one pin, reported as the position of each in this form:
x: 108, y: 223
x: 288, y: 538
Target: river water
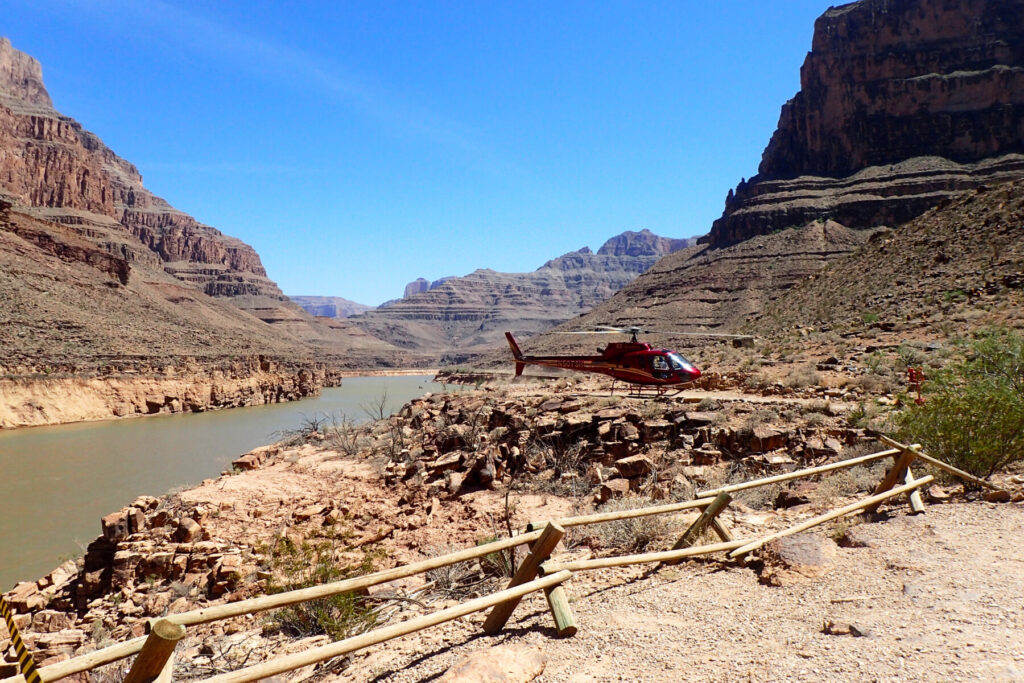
x: 56, y: 482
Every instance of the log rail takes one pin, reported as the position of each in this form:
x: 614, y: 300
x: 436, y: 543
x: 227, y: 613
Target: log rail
x: 155, y: 652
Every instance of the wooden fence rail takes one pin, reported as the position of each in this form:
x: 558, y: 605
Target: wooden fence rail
x: 152, y: 665
x: 324, y: 652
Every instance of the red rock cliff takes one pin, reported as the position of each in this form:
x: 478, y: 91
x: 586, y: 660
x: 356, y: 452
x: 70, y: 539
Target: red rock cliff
x: 52, y: 167
x: 902, y: 102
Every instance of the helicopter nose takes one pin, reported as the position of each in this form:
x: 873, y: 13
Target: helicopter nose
x: 695, y: 373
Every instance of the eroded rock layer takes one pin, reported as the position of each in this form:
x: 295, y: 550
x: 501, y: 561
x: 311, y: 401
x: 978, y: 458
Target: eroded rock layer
x: 55, y: 170
x: 902, y: 103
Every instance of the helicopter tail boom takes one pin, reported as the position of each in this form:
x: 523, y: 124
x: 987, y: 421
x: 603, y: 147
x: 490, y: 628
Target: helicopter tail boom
x: 516, y: 353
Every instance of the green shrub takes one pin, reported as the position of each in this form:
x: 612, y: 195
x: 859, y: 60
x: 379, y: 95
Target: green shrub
x: 973, y: 415
x: 311, y: 563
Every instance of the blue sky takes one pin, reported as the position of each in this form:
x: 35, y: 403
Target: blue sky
x: 359, y: 145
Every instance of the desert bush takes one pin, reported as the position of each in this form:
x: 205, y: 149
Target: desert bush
x: 802, y: 377
x: 311, y: 563
x: 453, y: 580
x: 632, y: 535
x: 708, y: 404
x: 973, y: 415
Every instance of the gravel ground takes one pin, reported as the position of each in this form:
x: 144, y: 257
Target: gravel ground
x: 938, y: 596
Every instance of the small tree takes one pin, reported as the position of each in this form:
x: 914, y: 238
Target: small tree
x: 973, y: 416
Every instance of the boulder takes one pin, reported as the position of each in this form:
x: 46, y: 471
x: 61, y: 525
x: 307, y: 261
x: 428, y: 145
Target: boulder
x: 766, y: 438
x: 188, y: 531
x: 614, y: 488
x: 793, y: 559
x: 25, y: 597
x: 115, y: 526
x: 796, y: 494
x: 698, y: 419
x: 501, y: 664
x: 634, y: 466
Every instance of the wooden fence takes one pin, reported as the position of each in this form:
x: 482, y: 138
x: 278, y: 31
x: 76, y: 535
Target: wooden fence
x: 155, y: 651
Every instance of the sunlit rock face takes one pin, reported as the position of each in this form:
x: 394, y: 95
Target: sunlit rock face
x: 902, y: 102
x: 474, y: 311
x: 53, y: 169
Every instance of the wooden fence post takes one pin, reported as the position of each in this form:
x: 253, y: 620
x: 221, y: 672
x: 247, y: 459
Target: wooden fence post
x: 558, y: 601
x: 155, y: 659
x: 916, y: 504
x: 895, y: 475
x: 527, y: 572
x: 691, y: 535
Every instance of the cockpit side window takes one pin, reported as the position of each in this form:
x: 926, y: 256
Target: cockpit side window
x: 660, y: 363
x: 678, y: 362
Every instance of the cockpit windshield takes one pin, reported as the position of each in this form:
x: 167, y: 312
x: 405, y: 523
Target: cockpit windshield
x: 679, y: 363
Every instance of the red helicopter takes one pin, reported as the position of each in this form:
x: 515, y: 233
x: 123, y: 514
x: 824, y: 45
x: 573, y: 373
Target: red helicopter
x: 634, y: 361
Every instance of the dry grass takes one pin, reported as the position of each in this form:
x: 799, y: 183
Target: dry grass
x: 632, y: 535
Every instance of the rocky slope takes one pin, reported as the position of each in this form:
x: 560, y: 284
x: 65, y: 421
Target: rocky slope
x: 430, y: 479
x: 885, y: 82
x: 99, y: 278
x: 461, y: 314
x: 957, y: 267
x: 903, y: 104
x: 330, y: 306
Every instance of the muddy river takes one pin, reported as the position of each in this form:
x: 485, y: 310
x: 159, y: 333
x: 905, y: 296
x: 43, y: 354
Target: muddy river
x: 56, y: 482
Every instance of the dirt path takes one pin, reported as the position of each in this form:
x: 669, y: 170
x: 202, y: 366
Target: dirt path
x: 940, y: 596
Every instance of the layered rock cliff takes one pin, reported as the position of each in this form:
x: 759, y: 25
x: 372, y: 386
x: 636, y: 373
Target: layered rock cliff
x: 101, y: 280
x: 54, y: 169
x: 472, y: 312
x: 330, y: 306
x: 903, y: 104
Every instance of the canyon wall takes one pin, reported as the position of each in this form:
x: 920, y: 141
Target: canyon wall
x: 902, y: 103
x: 56, y: 400
x: 54, y: 169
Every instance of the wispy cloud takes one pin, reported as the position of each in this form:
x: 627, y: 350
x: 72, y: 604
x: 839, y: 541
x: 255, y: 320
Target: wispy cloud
x: 293, y: 67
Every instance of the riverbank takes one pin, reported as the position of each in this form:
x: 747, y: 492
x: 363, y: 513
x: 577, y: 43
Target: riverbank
x: 435, y: 475
x: 30, y: 401
x: 58, y: 480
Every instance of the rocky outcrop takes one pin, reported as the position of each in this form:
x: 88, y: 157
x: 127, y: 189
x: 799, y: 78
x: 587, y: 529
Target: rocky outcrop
x: 330, y: 306
x: 902, y: 103
x: 473, y: 311
x: 55, y: 170
x: 22, y: 76
x: 100, y: 277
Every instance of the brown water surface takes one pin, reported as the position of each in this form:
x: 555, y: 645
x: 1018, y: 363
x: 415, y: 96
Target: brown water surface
x: 56, y: 482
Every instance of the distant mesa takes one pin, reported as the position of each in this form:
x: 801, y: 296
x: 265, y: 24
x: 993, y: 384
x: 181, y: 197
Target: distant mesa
x: 459, y: 315
x: 330, y: 306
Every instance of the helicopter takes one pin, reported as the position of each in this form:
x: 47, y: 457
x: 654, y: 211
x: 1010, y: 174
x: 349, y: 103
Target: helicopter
x: 634, y: 361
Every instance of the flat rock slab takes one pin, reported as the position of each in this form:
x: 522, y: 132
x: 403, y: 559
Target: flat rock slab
x: 501, y: 664
x: 792, y: 559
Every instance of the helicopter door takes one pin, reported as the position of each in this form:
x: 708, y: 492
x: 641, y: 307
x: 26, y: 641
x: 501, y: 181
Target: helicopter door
x: 660, y: 366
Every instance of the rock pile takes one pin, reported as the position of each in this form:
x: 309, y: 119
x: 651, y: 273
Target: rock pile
x: 445, y: 445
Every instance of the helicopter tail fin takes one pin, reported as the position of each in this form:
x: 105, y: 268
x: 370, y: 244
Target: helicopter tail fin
x: 516, y: 353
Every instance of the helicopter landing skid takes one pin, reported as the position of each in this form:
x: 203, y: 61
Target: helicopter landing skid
x: 641, y: 391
